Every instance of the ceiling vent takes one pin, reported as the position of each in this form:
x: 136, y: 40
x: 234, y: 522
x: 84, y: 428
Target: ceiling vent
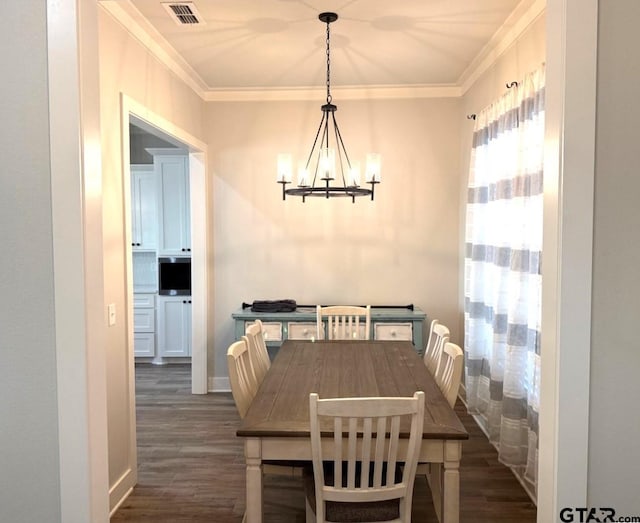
x: 184, y: 13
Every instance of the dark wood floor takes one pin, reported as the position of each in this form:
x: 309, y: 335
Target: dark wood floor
x: 191, y: 468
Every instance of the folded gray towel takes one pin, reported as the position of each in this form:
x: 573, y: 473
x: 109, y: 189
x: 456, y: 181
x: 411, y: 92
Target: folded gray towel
x: 273, y: 306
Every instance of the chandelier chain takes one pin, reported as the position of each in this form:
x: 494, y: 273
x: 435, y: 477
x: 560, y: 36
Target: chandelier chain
x: 328, y: 66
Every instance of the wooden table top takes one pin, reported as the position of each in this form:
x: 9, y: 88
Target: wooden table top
x: 343, y: 369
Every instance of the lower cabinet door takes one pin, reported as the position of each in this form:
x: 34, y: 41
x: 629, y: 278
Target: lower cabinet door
x: 174, y: 326
x: 144, y: 344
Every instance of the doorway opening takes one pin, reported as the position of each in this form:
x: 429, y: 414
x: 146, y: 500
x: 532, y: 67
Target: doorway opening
x: 162, y: 132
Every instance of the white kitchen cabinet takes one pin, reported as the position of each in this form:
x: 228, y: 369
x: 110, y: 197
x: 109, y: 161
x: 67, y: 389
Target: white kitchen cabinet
x: 174, y: 326
x: 144, y: 344
x: 144, y: 325
x: 174, y: 235
x: 144, y: 208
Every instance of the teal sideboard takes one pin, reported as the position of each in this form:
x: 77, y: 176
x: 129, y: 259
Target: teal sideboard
x: 386, y: 324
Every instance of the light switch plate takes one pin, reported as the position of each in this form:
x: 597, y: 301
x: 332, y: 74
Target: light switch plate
x: 111, y: 311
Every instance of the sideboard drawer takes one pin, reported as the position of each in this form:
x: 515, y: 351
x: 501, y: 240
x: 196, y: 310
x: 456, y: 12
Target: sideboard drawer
x: 272, y: 330
x: 302, y: 331
x: 393, y: 331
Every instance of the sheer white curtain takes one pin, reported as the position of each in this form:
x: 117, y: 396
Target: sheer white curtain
x: 502, y: 273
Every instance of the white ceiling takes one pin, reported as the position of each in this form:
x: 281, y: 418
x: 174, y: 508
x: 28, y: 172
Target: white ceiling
x: 280, y: 44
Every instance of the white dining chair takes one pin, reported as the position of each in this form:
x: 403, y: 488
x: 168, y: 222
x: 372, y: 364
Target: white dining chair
x: 449, y: 371
x: 438, y: 336
x: 344, y: 322
x: 241, y: 376
x: 258, y: 353
x: 244, y: 386
x: 373, y: 480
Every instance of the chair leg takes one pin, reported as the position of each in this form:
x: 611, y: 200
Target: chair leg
x: 310, y: 514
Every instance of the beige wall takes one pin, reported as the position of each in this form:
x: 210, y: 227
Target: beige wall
x: 402, y: 248
x: 126, y: 67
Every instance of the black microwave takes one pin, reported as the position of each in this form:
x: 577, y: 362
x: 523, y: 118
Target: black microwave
x: 174, y: 276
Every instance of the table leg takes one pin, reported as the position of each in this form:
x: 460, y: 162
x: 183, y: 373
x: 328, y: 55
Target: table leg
x: 451, y: 482
x: 435, y: 484
x: 253, y: 456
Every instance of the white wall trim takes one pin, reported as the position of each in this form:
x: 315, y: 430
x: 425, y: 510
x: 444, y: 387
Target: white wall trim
x: 121, y: 489
x: 219, y: 384
x: 568, y: 249
x: 199, y: 255
x: 129, y: 479
x: 525, y: 14
x: 198, y: 192
x: 132, y: 20
x: 76, y: 192
x: 159, y: 122
x: 119, y: 504
x: 371, y: 92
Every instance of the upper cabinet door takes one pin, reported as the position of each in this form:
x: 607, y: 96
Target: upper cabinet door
x: 173, y: 188
x: 144, y: 208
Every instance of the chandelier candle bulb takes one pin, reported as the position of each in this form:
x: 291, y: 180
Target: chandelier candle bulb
x: 373, y: 168
x: 284, y: 168
x: 303, y: 176
x: 328, y: 163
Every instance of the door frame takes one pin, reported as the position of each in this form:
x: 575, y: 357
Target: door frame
x: 154, y: 123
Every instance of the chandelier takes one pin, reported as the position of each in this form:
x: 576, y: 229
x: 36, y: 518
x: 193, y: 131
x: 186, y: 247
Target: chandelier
x: 327, y: 181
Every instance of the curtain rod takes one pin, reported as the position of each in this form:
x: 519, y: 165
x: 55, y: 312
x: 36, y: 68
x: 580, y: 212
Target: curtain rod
x: 409, y: 306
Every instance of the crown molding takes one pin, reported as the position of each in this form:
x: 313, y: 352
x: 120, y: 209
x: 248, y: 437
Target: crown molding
x: 525, y: 14
x: 369, y: 92
x: 125, y: 13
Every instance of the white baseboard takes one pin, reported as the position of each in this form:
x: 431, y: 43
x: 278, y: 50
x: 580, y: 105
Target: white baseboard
x: 219, y: 384
x: 120, y: 491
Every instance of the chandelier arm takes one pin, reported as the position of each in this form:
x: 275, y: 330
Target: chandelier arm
x: 340, y: 150
x: 315, y: 172
x: 315, y: 141
x: 340, y: 144
x: 339, y: 140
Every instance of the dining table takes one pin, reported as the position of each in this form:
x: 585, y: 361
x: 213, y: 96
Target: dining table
x: 276, y: 426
